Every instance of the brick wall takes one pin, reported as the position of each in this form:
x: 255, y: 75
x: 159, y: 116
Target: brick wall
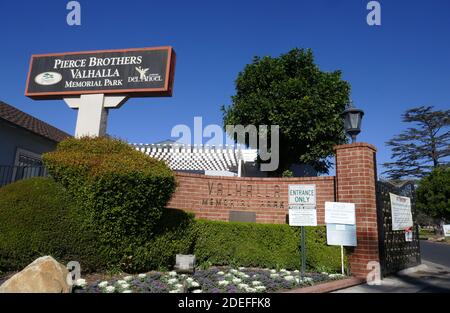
x: 214, y: 197
x: 355, y: 183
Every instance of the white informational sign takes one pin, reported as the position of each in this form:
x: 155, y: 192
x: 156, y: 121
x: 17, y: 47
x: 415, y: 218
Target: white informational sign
x: 302, y: 216
x: 401, y: 212
x: 446, y: 230
x: 302, y: 194
x: 341, y: 235
x: 340, y: 213
x: 408, y: 236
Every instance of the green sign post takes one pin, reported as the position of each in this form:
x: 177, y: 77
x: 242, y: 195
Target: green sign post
x: 302, y: 212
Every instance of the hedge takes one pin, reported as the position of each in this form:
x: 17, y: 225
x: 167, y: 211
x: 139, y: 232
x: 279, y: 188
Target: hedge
x: 122, y: 192
x: 38, y: 218
x: 263, y: 245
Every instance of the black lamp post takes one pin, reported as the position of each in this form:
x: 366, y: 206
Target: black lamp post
x: 352, y: 121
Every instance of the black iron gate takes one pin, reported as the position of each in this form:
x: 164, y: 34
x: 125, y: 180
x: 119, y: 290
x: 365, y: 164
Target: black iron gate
x: 395, y: 252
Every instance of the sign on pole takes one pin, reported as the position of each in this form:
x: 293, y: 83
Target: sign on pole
x: 341, y: 235
x: 302, y: 212
x: 95, y: 81
x: 401, y: 212
x: 302, y: 194
x: 139, y: 72
x: 340, y: 213
x: 446, y: 230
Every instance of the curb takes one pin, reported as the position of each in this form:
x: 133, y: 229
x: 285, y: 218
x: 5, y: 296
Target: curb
x: 329, y: 286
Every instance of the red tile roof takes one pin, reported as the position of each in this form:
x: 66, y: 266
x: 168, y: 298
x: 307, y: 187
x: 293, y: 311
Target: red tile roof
x: 24, y: 120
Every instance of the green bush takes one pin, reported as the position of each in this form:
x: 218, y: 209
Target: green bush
x: 38, y: 218
x: 433, y: 194
x: 121, y: 191
x: 262, y: 245
x: 175, y: 234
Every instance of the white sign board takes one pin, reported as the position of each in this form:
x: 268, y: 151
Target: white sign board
x: 302, y: 194
x: 340, y: 213
x: 341, y: 235
x: 401, y: 212
x: 446, y: 230
x: 302, y: 216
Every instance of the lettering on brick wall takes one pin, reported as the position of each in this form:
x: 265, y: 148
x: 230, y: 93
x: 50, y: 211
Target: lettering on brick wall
x: 237, y: 195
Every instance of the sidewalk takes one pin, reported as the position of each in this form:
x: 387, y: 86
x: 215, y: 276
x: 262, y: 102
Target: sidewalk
x: 428, y: 277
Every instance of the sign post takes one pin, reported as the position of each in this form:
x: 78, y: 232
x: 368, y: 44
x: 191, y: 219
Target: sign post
x: 302, y: 212
x: 341, y: 226
x: 95, y: 81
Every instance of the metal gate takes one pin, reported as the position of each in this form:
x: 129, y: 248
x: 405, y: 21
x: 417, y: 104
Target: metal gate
x: 395, y: 252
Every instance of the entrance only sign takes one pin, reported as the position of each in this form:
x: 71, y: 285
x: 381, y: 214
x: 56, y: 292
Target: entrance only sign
x: 302, y: 205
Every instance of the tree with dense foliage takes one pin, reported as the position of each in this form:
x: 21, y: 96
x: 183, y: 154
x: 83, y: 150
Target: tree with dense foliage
x: 292, y: 92
x: 433, y: 194
x: 420, y: 148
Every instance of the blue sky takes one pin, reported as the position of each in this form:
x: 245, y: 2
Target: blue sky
x: 403, y: 63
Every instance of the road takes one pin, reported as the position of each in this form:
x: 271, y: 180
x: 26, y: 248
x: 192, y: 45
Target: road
x: 438, y: 253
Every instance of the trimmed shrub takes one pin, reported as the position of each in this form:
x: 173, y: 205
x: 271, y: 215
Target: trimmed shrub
x: 175, y: 234
x: 263, y: 245
x: 39, y: 218
x: 121, y: 191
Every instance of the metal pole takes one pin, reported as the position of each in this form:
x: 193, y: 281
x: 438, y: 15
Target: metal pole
x: 342, y: 259
x: 303, y: 248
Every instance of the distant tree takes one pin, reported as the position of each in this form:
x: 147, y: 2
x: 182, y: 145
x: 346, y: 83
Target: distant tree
x: 421, y: 148
x: 292, y: 92
x: 433, y: 194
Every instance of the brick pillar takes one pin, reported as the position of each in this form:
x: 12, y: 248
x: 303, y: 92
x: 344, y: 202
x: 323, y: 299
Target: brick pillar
x: 355, y: 183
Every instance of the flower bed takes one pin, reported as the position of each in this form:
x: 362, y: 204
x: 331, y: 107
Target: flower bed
x: 213, y: 280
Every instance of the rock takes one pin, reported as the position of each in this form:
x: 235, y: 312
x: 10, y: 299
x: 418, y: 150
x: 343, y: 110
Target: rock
x: 44, y: 274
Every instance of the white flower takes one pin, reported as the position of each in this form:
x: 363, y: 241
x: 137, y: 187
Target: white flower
x: 183, y: 275
x: 128, y: 278
x: 220, y: 273
x: 283, y: 270
x: 103, y: 284
x: 194, y: 284
x: 197, y: 291
x: 223, y: 282
x: 125, y: 286
x: 234, y: 271
x: 127, y: 291
x: 273, y: 271
x: 296, y: 271
x: 335, y: 275
x: 178, y: 286
x: 260, y: 288
x: 307, y: 279
x: 80, y: 282
x: 189, y: 280
x: 274, y: 275
x: 243, y: 286
x: 237, y: 280
x: 142, y: 276
x: 250, y: 289
x: 121, y: 282
x: 256, y: 283
x: 110, y: 289
x: 324, y: 273
x: 289, y: 278
x: 297, y: 280
x: 172, y: 273
x: 175, y: 291
x: 172, y: 281
x: 241, y: 268
x: 229, y: 275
